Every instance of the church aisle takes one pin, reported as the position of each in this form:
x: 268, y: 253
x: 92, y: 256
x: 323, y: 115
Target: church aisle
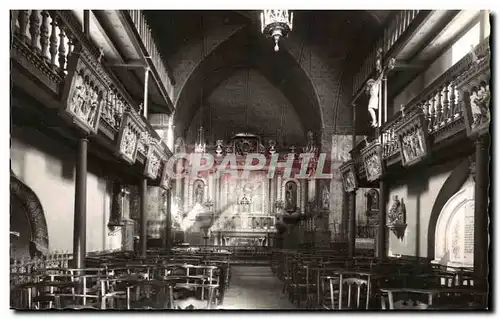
x: 255, y: 288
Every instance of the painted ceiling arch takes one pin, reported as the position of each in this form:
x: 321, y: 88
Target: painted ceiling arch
x: 314, y: 70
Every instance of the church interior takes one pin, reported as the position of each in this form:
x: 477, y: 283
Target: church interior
x: 259, y: 159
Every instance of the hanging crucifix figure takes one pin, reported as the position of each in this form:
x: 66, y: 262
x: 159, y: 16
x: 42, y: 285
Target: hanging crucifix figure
x: 373, y: 88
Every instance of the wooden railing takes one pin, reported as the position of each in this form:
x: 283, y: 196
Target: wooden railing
x: 53, y: 260
x: 439, y: 102
x: 28, y: 265
x: 48, y: 37
x: 392, y: 32
x: 40, y: 32
x: 143, y: 29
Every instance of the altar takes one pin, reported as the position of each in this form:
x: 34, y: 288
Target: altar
x: 240, y: 207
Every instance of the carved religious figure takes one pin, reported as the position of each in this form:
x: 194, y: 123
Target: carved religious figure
x: 373, y: 89
x: 290, y: 196
x: 93, y: 107
x: 218, y: 148
x: 326, y: 197
x: 78, y: 98
x: 199, y: 194
x: 373, y: 165
x: 413, y: 145
x: 129, y: 142
x: 154, y: 164
x: 480, y: 104
x: 397, y: 213
x: 393, y: 212
x: 350, y: 181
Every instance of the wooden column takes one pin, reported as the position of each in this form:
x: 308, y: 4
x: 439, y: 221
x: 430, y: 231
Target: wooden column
x: 481, y: 222
x: 345, y: 216
x: 351, y: 248
x: 80, y: 214
x: 352, y: 225
x: 143, y: 219
x: 381, y: 246
x: 167, y: 240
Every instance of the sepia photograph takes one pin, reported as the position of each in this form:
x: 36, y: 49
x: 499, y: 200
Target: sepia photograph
x: 264, y: 159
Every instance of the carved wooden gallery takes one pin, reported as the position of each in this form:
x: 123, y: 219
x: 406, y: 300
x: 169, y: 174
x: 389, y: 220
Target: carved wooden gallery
x: 180, y: 159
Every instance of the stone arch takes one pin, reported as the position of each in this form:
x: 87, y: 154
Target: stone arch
x: 450, y: 187
x: 451, y: 246
x: 285, y: 73
x: 29, y: 202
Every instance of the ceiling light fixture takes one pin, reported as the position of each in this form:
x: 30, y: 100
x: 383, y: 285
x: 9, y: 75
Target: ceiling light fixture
x: 276, y: 24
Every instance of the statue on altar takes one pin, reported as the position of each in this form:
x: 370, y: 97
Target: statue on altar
x: 199, y: 194
x: 326, y: 197
x: 290, y: 197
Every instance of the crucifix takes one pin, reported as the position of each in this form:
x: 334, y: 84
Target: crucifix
x: 373, y: 88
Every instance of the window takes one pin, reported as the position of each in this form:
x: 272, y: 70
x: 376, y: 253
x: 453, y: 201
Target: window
x: 463, y: 46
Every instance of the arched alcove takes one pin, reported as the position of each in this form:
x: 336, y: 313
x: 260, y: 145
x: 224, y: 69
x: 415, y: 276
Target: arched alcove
x: 454, y: 234
x: 28, y: 219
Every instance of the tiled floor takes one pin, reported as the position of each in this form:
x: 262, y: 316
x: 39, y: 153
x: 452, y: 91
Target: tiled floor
x: 255, y: 287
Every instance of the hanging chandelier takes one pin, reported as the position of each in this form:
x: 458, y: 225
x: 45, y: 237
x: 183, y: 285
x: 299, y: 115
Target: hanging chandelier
x: 276, y: 24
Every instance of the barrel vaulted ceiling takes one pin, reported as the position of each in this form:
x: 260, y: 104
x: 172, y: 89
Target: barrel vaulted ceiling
x: 313, y: 68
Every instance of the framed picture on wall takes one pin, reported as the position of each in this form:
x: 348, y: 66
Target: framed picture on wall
x: 371, y: 156
x: 83, y: 94
x: 349, y: 180
x: 128, y: 136
x: 412, y: 136
x: 153, y: 161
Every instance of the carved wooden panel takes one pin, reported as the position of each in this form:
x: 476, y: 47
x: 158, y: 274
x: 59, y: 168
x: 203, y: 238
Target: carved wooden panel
x: 153, y: 161
x: 128, y: 136
x: 84, y: 93
x: 475, y: 94
x: 349, y: 180
x: 372, y: 161
x: 413, y: 139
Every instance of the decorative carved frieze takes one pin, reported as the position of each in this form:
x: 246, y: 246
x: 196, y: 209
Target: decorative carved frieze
x: 349, y: 179
x: 372, y: 161
x: 475, y: 94
x: 84, y: 93
x: 412, y: 135
x: 129, y: 135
